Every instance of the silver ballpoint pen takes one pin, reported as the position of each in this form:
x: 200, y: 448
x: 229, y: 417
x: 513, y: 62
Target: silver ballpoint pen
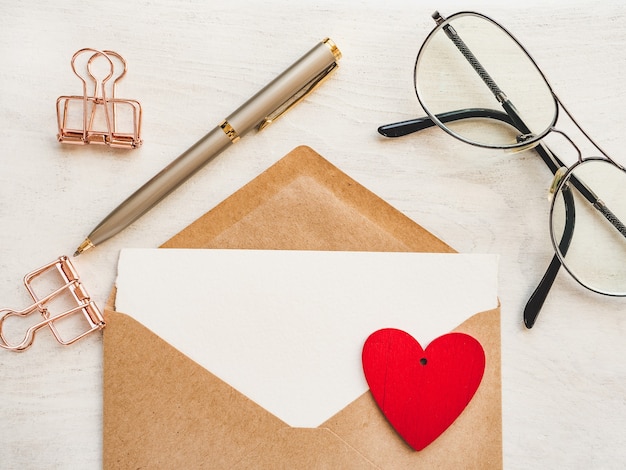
x: 262, y: 109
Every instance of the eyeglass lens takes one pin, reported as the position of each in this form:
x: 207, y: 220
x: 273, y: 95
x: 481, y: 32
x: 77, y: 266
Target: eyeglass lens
x: 596, y: 253
x: 470, y: 64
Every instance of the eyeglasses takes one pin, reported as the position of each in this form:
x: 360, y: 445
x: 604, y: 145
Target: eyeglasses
x: 465, y: 82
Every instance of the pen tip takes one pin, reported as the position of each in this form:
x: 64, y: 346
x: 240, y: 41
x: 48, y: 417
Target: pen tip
x: 84, y: 246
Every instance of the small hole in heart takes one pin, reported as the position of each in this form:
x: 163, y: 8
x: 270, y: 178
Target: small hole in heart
x: 423, y: 361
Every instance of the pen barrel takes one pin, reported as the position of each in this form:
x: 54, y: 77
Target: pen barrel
x: 269, y: 101
x: 284, y: 87
x: 162, y: 184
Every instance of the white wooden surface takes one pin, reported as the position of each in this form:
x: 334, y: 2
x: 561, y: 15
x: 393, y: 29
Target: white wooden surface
x: 190, y: 64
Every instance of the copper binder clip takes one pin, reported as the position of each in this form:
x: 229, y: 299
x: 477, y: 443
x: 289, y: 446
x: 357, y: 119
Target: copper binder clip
x: 67, y: 300
x: 99, y: 116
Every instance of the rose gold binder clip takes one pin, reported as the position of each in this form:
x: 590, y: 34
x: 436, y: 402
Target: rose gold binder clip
x: 67, y: 309
x: 99, y: 117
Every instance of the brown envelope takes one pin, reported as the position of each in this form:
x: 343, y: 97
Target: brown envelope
x: 162, y: 410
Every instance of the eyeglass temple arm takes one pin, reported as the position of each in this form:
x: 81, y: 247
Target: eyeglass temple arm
x: 400, y: 129
x: 538, y: 297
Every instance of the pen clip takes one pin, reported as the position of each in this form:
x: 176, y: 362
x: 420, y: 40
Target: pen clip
x: 298, y: 96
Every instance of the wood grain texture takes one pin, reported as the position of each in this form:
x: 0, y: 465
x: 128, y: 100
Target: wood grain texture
x: 190, y: 64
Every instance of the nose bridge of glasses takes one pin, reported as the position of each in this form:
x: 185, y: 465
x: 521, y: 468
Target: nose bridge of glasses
x: 568, y: 139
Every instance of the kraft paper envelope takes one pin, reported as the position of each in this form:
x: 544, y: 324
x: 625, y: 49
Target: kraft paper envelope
x: 163, y: 410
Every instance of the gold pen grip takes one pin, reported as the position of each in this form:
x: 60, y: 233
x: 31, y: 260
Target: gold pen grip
x: 230, y: 131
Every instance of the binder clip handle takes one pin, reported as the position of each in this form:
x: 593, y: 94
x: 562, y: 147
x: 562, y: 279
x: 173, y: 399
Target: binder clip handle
x: 28, y: 338
x: 97, y: 116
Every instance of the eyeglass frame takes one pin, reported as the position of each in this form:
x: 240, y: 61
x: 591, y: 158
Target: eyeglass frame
x: 562, y: 173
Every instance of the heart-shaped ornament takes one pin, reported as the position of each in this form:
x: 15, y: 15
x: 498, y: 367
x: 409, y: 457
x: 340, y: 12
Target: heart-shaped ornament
x: 421, y: 392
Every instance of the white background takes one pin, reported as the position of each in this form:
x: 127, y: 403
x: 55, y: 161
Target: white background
x: 191, y: 63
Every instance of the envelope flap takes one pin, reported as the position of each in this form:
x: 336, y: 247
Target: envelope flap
x: 303, y: 202
x: 162, y: 386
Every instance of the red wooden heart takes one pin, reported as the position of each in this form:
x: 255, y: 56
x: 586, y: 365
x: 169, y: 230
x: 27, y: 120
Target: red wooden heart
x: 421, y: 392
